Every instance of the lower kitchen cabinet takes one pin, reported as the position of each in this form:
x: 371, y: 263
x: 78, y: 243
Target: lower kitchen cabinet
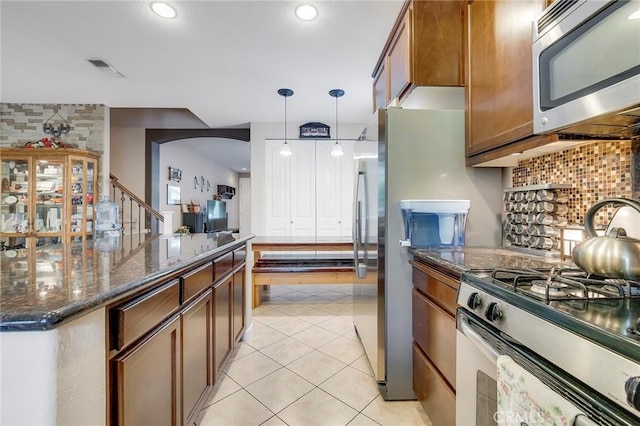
x: 238, y: 304
x: 197, y: 355
x: 147, y: 382
x: 434, y: 341
x: 168, y: 344
x: 222, y: 309
x: 438, y: 400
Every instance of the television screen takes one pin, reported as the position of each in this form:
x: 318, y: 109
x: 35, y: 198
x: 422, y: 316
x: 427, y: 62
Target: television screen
x: 216, y: 215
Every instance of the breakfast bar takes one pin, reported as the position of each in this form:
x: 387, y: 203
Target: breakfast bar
x: 86, y: 326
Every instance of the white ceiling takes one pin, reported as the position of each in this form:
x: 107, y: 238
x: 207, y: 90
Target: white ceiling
x: 222, y: 60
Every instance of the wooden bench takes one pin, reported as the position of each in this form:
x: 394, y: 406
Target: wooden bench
x: 299, y: 260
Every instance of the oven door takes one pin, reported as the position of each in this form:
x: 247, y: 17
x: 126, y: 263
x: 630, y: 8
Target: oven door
x: 478, y: 347
x: 476, y: 385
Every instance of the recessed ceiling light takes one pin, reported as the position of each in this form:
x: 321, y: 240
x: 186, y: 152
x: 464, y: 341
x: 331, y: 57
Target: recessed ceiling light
x: 306, y: 12
x: 164, y: 10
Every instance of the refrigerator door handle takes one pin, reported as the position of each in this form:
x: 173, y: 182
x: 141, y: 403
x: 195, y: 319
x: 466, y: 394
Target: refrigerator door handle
x: 361, y: 267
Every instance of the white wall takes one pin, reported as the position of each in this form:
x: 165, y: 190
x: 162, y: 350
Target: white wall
x: 55, y: 377
x: 180, y: 155
x: 262, y: 131
x: 128, y: 139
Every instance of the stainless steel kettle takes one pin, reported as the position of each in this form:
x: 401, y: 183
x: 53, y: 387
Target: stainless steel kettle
x: 614, y: 255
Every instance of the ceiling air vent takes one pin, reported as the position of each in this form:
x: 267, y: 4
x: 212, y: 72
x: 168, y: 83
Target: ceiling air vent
x: 106, y: 68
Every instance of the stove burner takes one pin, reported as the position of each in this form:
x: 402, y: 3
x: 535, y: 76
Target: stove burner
x: 564, y: 284
x: 555, y: 289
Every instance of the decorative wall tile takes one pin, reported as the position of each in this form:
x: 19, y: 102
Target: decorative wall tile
x: 596, y: 170
x: 22, y: 123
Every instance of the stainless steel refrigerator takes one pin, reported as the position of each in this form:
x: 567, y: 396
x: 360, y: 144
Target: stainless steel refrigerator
x: 408, y: 154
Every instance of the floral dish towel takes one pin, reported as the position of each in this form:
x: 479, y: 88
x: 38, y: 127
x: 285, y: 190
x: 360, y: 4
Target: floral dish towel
x: 523, y: 400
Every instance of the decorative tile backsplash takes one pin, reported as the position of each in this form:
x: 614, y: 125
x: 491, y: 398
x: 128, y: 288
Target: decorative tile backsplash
x: 596, y: 170
x: 21, y: 123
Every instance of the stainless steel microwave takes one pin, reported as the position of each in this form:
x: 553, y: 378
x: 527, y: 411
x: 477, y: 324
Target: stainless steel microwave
x: 586, y: 68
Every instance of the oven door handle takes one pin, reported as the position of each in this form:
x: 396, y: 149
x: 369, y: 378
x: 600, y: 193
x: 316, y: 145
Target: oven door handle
x: 486, y: 349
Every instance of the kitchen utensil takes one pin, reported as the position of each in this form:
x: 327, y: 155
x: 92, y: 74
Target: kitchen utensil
x: 615, y: 255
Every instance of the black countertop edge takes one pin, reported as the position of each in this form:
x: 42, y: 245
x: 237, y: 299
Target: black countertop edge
x: 43, y: 321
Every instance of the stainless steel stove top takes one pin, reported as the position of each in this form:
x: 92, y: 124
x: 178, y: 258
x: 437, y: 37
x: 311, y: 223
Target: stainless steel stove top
x: 585, y: 325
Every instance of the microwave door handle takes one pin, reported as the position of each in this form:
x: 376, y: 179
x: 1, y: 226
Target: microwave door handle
x: 477, y: 340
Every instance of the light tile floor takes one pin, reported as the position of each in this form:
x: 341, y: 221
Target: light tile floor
x: 303, y: 365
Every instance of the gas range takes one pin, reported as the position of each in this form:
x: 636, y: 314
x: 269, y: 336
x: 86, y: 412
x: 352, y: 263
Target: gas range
x: 587, y: 326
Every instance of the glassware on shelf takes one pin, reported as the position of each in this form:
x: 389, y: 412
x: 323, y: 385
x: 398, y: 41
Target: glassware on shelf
x: 107, y: 215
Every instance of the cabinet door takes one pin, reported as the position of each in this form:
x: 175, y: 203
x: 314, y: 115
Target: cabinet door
x: 399, y: 58
x: 436, y: 43
x: 15, y: 205
x: 81, y: 196
x: 303, y: 185
x: 278, y: 187
x: 347, y: 186
x: 148, y: 384
x: 197, y: 354
x: 221, y: 323
x: 334, y: 189
x: 499, y: 73
x: 328, y: 187
x: 238, y: 304
x: 381, y: 87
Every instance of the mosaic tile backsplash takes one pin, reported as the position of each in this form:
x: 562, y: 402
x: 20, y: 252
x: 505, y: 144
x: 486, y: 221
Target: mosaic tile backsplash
x: 595, y: 170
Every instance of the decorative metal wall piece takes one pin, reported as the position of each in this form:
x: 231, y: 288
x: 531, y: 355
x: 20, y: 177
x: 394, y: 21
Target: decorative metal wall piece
x: 57, y: 131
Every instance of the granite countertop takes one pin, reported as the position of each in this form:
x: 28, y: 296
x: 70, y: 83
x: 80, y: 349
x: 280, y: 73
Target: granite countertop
x: 44, y: 286
x: 463, y: 259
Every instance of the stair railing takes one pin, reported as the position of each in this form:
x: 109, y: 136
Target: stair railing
x: 136, y: 216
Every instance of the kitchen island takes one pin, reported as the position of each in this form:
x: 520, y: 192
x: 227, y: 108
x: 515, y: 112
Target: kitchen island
x: 59, y: 310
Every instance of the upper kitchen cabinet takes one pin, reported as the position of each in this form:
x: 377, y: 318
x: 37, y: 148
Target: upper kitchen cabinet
x: 47, y: 194
x: 498, y: 88
x: 423, y: 49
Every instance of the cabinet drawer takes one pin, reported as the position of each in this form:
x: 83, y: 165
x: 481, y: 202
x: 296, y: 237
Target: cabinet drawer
x: 435, y: 332
x: 438, y: 287
x: 222, y: 266
x: 432, y: 391
x: 239, y: 255
x: 137, y: 316
x: 196, y: 281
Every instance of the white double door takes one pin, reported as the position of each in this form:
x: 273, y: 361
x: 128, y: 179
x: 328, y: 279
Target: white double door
x: 310, y: 193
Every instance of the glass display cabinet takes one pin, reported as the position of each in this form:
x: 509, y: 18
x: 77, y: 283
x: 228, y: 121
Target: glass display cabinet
x: 47, y: 195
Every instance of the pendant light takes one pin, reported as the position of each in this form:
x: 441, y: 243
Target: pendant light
x: 336, y: 151
x: 286, y: 148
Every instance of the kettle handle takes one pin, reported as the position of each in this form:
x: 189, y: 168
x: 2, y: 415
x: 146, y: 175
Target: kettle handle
x: 588, y: 218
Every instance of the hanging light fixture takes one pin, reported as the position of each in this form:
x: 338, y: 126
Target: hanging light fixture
x: 286, y: 148
x: 336, y: 151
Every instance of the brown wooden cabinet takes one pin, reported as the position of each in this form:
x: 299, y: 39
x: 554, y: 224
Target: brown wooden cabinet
x: 197, y: 355
x: 168, y: 344
x: 222, y: 310
x: 148, y: 380
x: 423, y: 49
x: 238, y: 304
x: 498, y: 86
x: 47, y: 195
x: 434, y: 340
